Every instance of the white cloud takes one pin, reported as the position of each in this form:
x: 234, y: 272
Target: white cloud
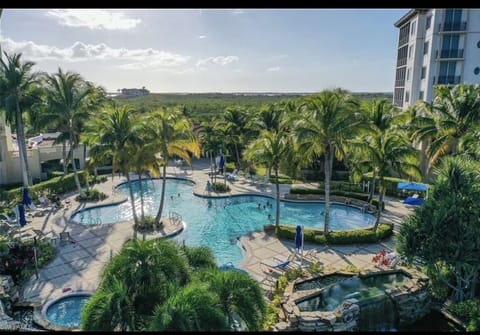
x: 202, y: 37
x: 80, y: 52
x: 273, y: 69
x: 219, y: 60
x: 94, y: 19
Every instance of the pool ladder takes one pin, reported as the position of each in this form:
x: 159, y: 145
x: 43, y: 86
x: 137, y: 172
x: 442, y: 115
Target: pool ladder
x: 174, y: 217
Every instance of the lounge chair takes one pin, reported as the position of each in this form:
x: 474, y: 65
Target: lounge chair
x: 232, y: 176
x: 270, y: 265
x: 413, y: 201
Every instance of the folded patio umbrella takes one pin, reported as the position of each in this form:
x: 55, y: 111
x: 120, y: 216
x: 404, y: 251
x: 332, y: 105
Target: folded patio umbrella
x: 21, y: 215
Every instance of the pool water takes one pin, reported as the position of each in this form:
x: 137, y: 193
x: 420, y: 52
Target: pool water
x: 66, y: 311
x: 217, y: 222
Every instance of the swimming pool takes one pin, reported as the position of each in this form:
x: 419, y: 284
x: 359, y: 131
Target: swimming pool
x: 217, y: 223
x: 66, y: 311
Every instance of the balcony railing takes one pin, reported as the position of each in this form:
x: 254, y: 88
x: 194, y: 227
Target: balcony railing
x: 448, y: 80
x: 402, y: 61
x: 454, y: 26
x: 454, y: 53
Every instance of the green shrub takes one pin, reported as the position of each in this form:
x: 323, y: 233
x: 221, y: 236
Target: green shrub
x: 148, y: 224
x: 91, y: 195
x: 220, y: 187
x: 364, y: 235
x: 469, y: 311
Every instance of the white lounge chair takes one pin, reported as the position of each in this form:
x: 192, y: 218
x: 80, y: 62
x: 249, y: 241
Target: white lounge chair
x: 232, y: 176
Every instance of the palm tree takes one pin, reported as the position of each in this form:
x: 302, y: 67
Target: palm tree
x: 193, y: 308
x: 16, y: 80
x: 69, y: 99
x: 383, y: 152
x: 270, y: 149
x: 173, y: 137
x: 323, y: 124
x: 237, y: 293
x: 378, y: 117
x: 233, y: 124
x: 114, y: 136
x: 444, y: 122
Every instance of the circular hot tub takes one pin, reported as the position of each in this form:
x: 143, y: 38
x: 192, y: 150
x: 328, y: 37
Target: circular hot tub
x: 65, y: 312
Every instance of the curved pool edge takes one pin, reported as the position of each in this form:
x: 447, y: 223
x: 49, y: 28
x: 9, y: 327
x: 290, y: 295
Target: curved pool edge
x: 40, y: 311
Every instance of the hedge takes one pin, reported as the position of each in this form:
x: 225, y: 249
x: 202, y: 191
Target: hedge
x: 364, y: 235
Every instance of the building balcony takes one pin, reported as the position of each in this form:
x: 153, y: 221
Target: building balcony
x: 448, y: 54
x: 453, y: 26
x: 448, y: 80
x: 402, y: 61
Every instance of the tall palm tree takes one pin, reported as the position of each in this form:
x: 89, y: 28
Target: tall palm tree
x: 270, y: 148
x: 114, y: 136
x: 233, y: 123
x: 323, y: 124
x: 69, y: 98
x: 446, y: 120
x: 16, y: 80
x: 384, y: 152
x: 378, y: 117
x: 173, y: 136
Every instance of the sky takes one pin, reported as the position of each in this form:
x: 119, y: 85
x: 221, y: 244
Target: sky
x: 211, y: 50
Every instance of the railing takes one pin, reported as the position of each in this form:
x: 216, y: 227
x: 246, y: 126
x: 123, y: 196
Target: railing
x: 454, y: 26
x: 448, y: 80
x: 454, y: 53
x: 174, y: 217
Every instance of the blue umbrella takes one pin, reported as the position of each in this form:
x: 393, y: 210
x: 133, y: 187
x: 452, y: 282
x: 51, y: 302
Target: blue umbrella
x: 21, y: 215
x: 298, y: 237
x: 26, y: 200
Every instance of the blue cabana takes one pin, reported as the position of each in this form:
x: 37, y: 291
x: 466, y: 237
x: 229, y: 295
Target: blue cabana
x: 412, y: 187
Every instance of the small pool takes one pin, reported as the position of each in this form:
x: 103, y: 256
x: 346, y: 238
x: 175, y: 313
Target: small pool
x: 66, y: 311
x: 361, y: 288
x: 217, y: 222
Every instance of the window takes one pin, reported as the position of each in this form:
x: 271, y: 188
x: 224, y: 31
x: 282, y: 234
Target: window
x: 420, y: 95
x: 412, y: 29
x: 428, y: 23
x: 407, y: 96
x: 408, y: 74
x: 425, y: 47
x: 410, y: 51
x: 424, y: 72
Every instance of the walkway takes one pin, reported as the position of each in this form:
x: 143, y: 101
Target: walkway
x: 79, y: 266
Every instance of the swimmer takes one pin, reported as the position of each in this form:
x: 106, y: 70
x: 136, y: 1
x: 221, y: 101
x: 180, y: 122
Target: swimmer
x: 259, y: 206
x: 270, y: 217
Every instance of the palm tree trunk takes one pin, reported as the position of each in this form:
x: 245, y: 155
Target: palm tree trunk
x: 74, y: 166
x: 142, y: 211
x: 372, y: 189
x: 162, y: 197
x: 277, y: 185
x: 64, y: 156
x: 132, y: 203
x: 328, y: 174
x: 22, y: 148
x: 238, y: 156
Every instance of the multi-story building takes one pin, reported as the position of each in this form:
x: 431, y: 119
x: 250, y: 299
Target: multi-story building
x: 436, y: 46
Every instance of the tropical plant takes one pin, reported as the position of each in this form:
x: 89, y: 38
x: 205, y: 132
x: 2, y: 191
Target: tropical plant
x: 173, y: 137
x: 444, y: 231
x: 233, y: 124
x: 443, y: 123
x: 69, y: 98
x: 16, y: 80
x: 114, y: 136
x: 270, y: 149
x: 323, y: 124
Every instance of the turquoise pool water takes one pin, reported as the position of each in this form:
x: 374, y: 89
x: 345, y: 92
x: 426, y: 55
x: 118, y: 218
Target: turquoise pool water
x: 217, y: 223
x: 66, y: 311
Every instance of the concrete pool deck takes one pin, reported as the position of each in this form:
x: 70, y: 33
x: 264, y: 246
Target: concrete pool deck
x: 79, y: 266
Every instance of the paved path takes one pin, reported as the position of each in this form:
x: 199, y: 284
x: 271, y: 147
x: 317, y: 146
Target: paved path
x: 79, y: 266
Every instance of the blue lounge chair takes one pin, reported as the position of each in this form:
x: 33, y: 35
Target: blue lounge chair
x: 413, y: 201
x: 275, y: 265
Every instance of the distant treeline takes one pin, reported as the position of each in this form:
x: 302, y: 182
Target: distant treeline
x: 201, y: 106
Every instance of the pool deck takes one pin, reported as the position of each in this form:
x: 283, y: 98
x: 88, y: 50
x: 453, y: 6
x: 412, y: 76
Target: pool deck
x: 78, y: 266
